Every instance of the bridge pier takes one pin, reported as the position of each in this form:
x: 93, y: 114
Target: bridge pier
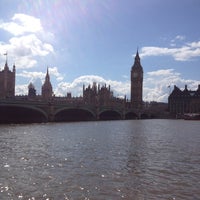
x: 51, y: 118
x: 51, y: 111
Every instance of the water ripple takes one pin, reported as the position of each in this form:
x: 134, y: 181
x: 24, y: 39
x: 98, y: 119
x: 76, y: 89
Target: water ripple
x: 150, y: 159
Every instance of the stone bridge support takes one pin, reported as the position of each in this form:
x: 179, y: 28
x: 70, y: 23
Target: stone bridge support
x: 62, y: 111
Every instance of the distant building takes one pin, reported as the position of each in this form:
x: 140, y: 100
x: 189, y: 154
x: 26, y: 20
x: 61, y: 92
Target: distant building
x: 136, y: 83
x: 184, y: 101
x: 92, y: 95
x: 99, y: 95
x: 47, y: 90
x: 31, y: 91
x: 7, y: 82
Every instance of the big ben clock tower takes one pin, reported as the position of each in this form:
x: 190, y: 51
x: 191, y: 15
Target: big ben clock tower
x: 136, y: 83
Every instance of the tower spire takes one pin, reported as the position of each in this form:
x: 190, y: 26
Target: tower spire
x: 47, y: 87
x: 137, y: 57
x: 47, y: 78
x: 137, y: 63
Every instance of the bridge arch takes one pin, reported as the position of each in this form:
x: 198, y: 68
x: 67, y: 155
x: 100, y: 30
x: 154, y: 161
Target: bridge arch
x: 131, y: 115
x: 74, y: 114
x: 21, y: 114
x: 110, y: 115
x: 145, y: 116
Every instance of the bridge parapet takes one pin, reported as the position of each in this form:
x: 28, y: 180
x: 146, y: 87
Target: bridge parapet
x: 51, y: 108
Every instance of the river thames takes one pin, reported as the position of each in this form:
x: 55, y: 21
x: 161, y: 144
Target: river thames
x: 133, y: 159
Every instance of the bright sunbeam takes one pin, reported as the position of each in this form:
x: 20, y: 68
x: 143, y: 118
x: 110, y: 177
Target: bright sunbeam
x: 65, y: 15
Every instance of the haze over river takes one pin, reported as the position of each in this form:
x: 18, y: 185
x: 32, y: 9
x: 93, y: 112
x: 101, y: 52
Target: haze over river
x: 136, y: 159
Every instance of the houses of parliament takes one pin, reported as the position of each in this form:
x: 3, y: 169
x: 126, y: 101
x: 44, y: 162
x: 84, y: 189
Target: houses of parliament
x: 93, y: 94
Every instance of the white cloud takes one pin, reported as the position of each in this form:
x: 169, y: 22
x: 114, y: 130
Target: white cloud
x: 161, y: 72
x: 156, y: 84
x: 29, y: 45
x: 186, y: 52
x: 177, y: 39
x: 25, y: 62
x: 53, y: 71
x: 31, y: 75
x: 180, y: 37
x: 30, y: 41
x: 21, y: 89
x: 22, y: 24
x: 194, y: 44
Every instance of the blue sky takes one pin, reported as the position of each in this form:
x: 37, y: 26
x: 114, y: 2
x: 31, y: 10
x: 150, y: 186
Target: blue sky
x: 82, y: 41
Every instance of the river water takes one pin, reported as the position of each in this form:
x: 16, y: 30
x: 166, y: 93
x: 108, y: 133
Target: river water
x: 136, y: 159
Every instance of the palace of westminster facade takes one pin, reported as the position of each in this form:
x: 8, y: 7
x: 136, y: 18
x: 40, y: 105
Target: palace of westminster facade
x: 95, y: 94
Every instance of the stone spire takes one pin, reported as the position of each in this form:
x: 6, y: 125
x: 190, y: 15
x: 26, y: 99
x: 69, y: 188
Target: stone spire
x: 47, y: 87
x: 47, y: 78
x: 137, y: 63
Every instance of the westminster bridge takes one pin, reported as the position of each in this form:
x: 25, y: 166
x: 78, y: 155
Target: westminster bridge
x: 24, y: 110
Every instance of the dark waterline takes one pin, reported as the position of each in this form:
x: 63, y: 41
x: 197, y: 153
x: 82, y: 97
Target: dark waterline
x: 142, y: 159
